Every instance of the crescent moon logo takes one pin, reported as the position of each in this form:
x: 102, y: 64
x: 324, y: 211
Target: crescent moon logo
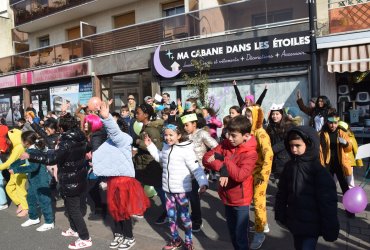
x: 160, y: 68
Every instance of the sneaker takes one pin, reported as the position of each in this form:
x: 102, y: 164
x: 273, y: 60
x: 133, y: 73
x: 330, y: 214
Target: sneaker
x: 45, y: 227
x: 196, y: 227
x: 118, y: 239
x: 189, y: 246
x: 69, y: 233
x: 79, y: 243
x: 266, y: 229
x: 30, y: 222
x: 23, y: 213
x: 5, y: 206
x: 258, y: 239
x: 162, y: 219
x: 173, y: 244
x: 127, y: 243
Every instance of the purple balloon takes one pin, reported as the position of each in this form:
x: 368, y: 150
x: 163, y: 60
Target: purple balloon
x: 355, y: 200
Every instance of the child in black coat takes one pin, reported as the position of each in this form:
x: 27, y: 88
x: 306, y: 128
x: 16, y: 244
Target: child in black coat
x: 306, y: 201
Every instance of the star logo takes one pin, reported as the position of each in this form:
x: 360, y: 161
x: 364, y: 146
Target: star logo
x: 242, y: 58
x: 277, y: 55
x: 169, y: 54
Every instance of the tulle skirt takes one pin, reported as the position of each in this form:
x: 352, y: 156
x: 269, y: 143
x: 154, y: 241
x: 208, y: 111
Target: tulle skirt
x: 125, y: 197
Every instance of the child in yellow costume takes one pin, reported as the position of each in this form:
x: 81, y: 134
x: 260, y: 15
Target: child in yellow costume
x: 16, y: 187
x: 261, y: 174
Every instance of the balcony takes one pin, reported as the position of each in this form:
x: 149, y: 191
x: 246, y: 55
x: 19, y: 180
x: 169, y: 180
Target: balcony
x: 348, y: 15
x: 235, y: 17
x: 29, y: 15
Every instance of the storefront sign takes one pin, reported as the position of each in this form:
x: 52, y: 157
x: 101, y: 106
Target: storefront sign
x: 72, y: 94
x: 7, y: 81
x: 283, y: 48
x: 61, y: 72
x: 24, y: 78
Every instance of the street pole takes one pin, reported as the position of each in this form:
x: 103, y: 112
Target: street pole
x: 315, y: 86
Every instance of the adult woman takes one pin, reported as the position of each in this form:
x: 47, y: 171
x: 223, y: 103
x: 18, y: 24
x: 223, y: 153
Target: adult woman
x: 249, y: 99
x: 319, y: 113
x: 148, y: 171
x: 277, y: 129
x: 131, y: 103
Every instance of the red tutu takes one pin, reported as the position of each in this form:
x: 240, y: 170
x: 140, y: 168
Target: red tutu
x: 126, y: 197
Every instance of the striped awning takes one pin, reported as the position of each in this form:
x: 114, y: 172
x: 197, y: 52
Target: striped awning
x: 349, y: 59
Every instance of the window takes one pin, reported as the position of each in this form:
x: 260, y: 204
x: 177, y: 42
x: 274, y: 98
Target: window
x: 124, y: 20
x: 73, y: 33
x: 272, y: 17
x: 44, y: 41
x: 171, y: 9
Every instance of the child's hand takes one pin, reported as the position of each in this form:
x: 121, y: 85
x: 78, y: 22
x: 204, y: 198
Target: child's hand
x: 211, y: 159
x: 65, y: 107
x: 147, y: 139
x: 234, y: 82
x: 104, y: 109
x: 178, y: 102
x: 24, y: 156
x: 202, y: 189
x: 11, y: 171
x: 223, y: 181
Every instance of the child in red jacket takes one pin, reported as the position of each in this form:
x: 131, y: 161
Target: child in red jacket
x: 235, y: 159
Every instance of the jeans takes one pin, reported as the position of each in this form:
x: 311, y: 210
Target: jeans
x: 3, y: 200
x: 75, y: 216
x: 193, y: 196
x: 237, y: 219
x: 305, y: 243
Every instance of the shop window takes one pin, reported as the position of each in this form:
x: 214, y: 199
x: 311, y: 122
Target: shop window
x: 73, y: 33
x: 174, y: 27
x: 44, y: 41
x: 124, y: 20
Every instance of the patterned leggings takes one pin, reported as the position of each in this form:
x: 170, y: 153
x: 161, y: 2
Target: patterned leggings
x: 181, y: 202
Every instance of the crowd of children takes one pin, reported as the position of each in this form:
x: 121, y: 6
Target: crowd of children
x: 175, y: 149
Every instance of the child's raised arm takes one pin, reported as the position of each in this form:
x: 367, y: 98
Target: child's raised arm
x: 152, y: 148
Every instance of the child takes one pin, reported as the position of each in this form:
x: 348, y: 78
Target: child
x: 16, y: 187
x: 306, y: 201
x: 212, y: 121
x: 354, y: 163
x: 235, y: 111
x: 202, y: 142
x: 39, y: 194
x: 125, y: 195
x: 334, y: 148
x: 72, y: 173
x: 225, y: 121
x: 165, y: 115
x: 235, y: 159
x: 261, y: 174
x: 179, y: 163
x: 125, y: 114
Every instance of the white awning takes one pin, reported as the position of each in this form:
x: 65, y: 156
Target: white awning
x: 349, y: 59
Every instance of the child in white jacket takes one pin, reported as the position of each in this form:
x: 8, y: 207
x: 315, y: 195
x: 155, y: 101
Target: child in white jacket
x: 179, y: 163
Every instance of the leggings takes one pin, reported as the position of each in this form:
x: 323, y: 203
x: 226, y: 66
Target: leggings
x: 181, y: 202
x: 124, y: 228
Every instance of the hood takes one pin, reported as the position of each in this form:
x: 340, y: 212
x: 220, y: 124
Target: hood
x: 257, y: 117
x: 15, y: 136
x: 312, y: 140
x: 74, y: 134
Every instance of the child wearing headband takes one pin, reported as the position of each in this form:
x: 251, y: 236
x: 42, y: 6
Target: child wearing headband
x: 179, y: 164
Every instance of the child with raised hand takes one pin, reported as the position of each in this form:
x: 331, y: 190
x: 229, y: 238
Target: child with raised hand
x: 125, y: 195
x: 179, y: 164
x: 235, y: 159
x: 39, y: 194
x: 306, y: 201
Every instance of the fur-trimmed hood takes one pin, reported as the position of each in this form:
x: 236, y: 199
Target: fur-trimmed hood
x: 257, y: 117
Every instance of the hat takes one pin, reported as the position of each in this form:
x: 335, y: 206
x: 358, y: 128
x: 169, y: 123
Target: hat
x: 250, y: 97
x: 293, y: 111
x: 131, y: 97
x: 189, y: 118
x: 147, y: 98
x: 275, y: 106
x: 343, y: 125
x: 333, y: 119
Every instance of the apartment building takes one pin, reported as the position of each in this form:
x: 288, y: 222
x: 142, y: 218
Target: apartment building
x: 344, y: 44
x: 79, y: 48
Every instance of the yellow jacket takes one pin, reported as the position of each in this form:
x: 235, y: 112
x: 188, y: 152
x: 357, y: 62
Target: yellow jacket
x: 15, y: 138
x: 352, y: 154
x: 343, y: 151
x: 264, y: 150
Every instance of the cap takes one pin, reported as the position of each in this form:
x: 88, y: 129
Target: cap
x: 147, y: 98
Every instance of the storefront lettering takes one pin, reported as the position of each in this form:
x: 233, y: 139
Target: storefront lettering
x: 294, y: 41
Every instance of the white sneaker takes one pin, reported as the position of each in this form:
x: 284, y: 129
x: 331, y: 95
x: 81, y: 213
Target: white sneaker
x: 30, y: 222
x: 79, y: 243
x: 45, y: 227
x: 127, y: 244
x: 118, y: 239
x: 69, y: 232
x: 5, y: 206
x: 266, y: 229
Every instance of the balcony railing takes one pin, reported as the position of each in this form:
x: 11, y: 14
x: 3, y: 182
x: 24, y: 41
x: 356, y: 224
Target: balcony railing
x: 29, y: 10
x: 226, y: 18
x: 349, y: 15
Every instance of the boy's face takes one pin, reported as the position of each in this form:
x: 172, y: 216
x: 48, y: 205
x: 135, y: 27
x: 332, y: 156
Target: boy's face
x: 333, y: 126
x: 237, y: 138
x: 125, y: 113
x: 297, y: 147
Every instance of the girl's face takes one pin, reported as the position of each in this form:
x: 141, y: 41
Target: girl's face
x: 248, y: 114
x: 190, y: 127
x: 248, y: 102
x: 276, y: 116
x: 140, y: 115
x: 320, y: 102
x: 205, y: 113
x: 233, y: 113
x: 171, y: 137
